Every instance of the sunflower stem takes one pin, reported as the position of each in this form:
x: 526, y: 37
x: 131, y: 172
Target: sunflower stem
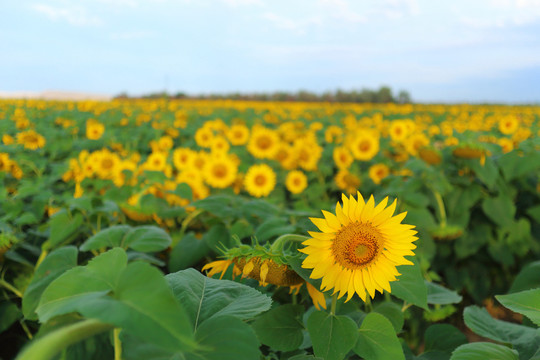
x: 440, y: 204
x: 11, y: 288
x: 367, y: 305
x: 333, y: 306
x: 280, y: 242
x: 117, y: 344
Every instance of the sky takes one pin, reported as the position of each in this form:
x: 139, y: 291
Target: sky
x: 439, y: 51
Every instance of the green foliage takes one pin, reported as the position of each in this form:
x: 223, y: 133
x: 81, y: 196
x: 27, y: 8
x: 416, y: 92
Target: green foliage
x: 377, y: 339
x: 411, y: 286
x: 332, y: 336
x: 482, y: 351
x: 523, y: 302
x: 281, y: 328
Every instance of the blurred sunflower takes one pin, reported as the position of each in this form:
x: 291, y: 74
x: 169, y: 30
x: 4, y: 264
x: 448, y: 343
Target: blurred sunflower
x: 263, y: 143
x: 347, y: 181
x: 378, y: 172
x: 182, y: 157
x: 398, y: 131
x: 359, y: 248
x: 238, y: 134
x: 220, y: 172
x: 342, y: 157
x: 296, y: 181
x: 508, y: 124
x: 219, y: 144
x: 30, y: 140
x: 94, y: 129
x: 364, y: 146
x: 260, y: 180
x: 204, y: 137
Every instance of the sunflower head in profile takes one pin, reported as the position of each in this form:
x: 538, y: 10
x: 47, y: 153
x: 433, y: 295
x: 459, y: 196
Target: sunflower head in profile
x: 359, y: 248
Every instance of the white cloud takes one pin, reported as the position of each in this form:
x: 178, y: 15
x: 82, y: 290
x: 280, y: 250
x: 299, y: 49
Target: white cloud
x: 74, y: 15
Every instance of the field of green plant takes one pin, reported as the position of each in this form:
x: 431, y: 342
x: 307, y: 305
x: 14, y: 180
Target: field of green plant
x: 154, y: 229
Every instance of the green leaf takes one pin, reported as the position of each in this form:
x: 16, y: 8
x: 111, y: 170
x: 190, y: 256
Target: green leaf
x: 106, y: 238
x: 141, y: 238
x: 524, y: 302
x: 443, y: 337
x: 487, y: 173
x: 219, y: 205
x: 184, y: 191
x: 79, y: 287
x: 438, y: 294
x: 524, y: 339
x: 9, y: 313
x: 392, y: 312
x: 63, y: 226
x: 534, y: 212
x: 271, y: 228
x: 410, y: 286
x: 205, y: 298
x: 188, y: 252
x: 377, y: 339
x: 295, y: 262
x: 527, y: 278
x: 515, y: 165
x: 305, y: 357
x: 281, y: 328
x: 226, y: 338
x: 147, y: 239
x: 484, y: 351
x: 500, y: 209
x: 217, y: 237
x: 332, y: 336
x: 144, y: 305
x: 54, y: 265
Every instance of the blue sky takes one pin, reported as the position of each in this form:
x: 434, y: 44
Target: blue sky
x: 449, y: 51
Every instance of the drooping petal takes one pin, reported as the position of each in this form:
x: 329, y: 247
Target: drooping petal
x: 316, y: 296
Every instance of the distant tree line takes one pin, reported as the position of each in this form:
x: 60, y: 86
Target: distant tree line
x: 382, y: 95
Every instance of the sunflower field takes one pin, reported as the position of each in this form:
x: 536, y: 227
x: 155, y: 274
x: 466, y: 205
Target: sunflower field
x: 190, y: 229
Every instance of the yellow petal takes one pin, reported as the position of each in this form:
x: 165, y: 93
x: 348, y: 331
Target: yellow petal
x: 380, y: 207
x: 321, y: 269
x: 321, y: 236
x: 329, y: 281
x: 316, y: 296
x: 322, y: 225
x: 352, y: 208
x: 342, y: 218
x: 332, y: 220
x: 367, y: 212
x: 359, y: 284
x: 264, y: 272
x: 367, y: 283
x: 317, y: 243
x: 385, y: 214
x: 248, y: 268
x: 343, y: 283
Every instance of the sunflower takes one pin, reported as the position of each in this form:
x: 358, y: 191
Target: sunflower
x: 347, y: 181
x: 378, y: 172
x: 508, y: 124
x: 342, y: 157
x: 204, y: 137
x: 398, y: 131
x: 182, y: 157
x: 260, y: 180
x: 7, y: 139
x: 30, y: 140
x: 296, y: 181
x: 263, y: 143
x: 219, y: 145
x: 220, y: 171
x: 238, y: 134
x: 415, y: 142
x: 156, y: 161
x: 5, y: 162
x: 506, y: 144
x: 364, y: 146
x: 359, y: 248
x: 430, y: 155
x: 94, y: 129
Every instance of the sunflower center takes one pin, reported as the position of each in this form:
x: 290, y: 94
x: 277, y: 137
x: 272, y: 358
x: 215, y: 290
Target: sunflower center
x: 364, y: 146
x: 356, y: 245
x: 220, y: 170
x: 107, y: 163
x: 264, y: 142
x: 260, y: 180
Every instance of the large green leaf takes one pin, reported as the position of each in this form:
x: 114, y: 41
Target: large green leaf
x: 281, y: 328
x: 135, y: 297
x: 226, y: 338
x: 410, y: 286
x: 443, y: 337
x: 205, y: 298
x: 393, y: 313
x: 188, y: 252
x: 106, y: 238
x: 81, y: 286
x: 527, y: 278
x: 332, y: 336
x: 484, y: 351
x: 141, y: 238
x: 500, y: 209
x: 524, y: 302
x: 54, y: 265
x: 273, y: 227
x: 525, y: 340
x: 377, y: 339
x: 438, y: 294
x: 63, y: 227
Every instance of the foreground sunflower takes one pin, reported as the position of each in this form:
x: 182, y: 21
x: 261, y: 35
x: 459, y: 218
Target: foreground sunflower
x: 359, y: 248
